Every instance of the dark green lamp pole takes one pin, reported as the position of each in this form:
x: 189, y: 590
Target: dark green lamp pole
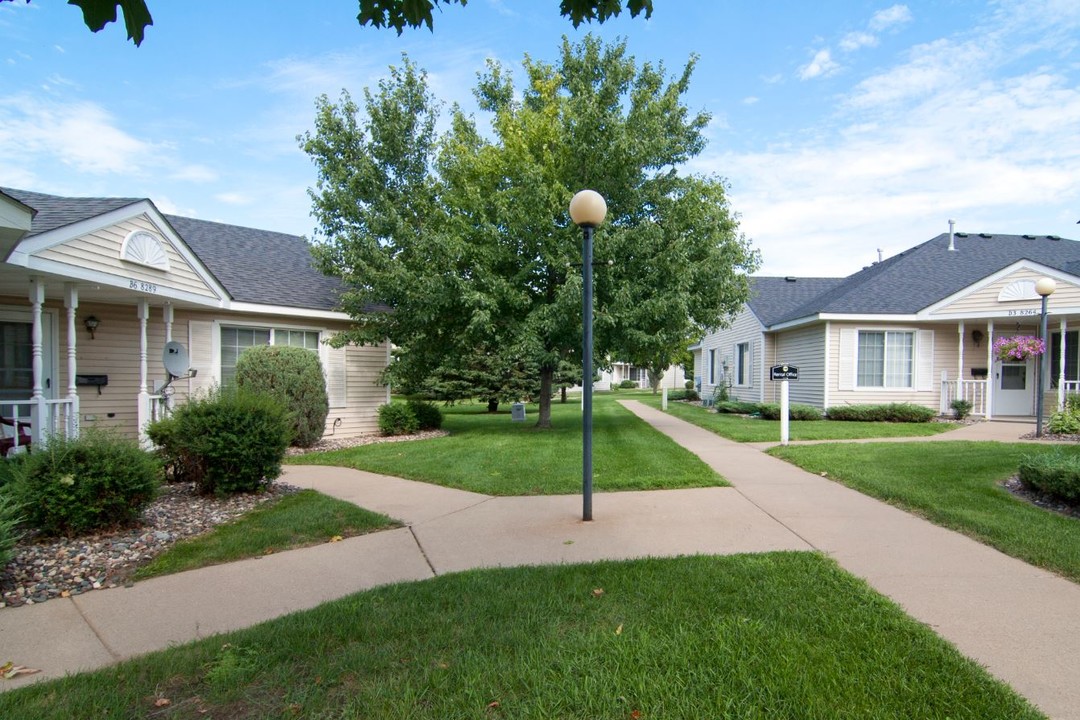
x: 1044, y: 287
x: 587, y: 210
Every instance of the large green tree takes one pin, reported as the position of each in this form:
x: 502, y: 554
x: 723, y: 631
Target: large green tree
x: 397, y: 14
x: 466, y: 236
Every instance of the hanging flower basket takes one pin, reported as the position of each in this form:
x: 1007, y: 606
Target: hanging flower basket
x: 1019, y: 348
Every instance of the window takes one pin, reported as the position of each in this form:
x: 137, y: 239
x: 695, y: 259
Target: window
x: 712, y: 366
x: 742, y: 364
x: 886, y: 359
x: 1072, y: 366
x: 234, y: 340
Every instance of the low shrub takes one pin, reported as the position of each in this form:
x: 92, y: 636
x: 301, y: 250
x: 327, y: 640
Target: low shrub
x: 720, y: 393
x: 690, y: 394
x: 294, y: 376
x: 771, y: 411
x: 10, y: 518
x: 97, y: 481
x: 1063, y: 423
x: 737, y: 407
x: 397, y: 419
x: 627, y: 384
x: 228, y: 441
x: 689, y: 384
x: 961, y: 408
x: 1054, y: 473
x: 892, y: 412
x: 428, y: 417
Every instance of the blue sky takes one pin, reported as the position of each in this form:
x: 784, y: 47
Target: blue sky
x: 842, y: 127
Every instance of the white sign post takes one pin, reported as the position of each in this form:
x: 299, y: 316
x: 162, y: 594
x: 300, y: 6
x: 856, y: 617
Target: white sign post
x: 663, y: 400
x: 785, y: 422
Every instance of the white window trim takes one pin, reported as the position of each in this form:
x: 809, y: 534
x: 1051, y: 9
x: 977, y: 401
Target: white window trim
x: 913, y: 387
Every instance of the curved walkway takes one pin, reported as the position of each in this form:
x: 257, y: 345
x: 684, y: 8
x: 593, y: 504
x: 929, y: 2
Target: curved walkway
x: 1016, y: 620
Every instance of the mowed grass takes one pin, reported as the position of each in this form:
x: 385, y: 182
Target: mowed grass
x: 487, y: 453
x: 783, y: 636
x: 299, y: 520
x: 744, y: 429
x: 957, y: 485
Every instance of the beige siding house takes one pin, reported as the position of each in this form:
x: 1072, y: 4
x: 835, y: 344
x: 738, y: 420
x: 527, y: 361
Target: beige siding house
x: 92, y: 289
x: 918, y: 327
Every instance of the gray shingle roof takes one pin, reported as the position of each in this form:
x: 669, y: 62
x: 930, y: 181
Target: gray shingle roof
x: 773, y: 298
x: 917, y: 278
x: 255, y: 266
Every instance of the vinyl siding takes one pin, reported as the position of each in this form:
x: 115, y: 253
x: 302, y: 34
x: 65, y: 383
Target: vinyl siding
x: 745, y: 328
x: 805, y: 349
x: 986, y: 299
x: 101, y: 250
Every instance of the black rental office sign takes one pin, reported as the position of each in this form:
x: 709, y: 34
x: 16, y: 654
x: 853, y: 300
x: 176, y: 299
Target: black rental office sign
x: 783, y: 372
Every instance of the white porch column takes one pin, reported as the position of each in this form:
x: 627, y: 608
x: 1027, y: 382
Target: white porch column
x: 144, y: 396
x: 990, y: 370
x: 167, y: 313
x: 960, y: 356
x: 1061, y: 369
x: 71, y: 302
x: 38, y: 412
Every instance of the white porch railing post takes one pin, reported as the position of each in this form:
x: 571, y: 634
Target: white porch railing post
x: 71, y: 302
x: 144, y: 395
x: 39, y: 411
x: 990, y: 370
x: 943, y: 403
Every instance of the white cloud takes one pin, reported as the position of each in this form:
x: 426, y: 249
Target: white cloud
x: 821, y: 65
x: 195, y: 173
x: 751, y: 100
x: 855, y: 40
x: 890, y: 18
x: 233, y: 198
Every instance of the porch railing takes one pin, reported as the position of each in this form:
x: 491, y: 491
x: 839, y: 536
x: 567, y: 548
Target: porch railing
x: 1071, y: 387
x: 46, y: 418
x: 974, y: 391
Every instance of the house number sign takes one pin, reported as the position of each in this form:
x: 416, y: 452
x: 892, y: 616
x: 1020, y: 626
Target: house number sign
x: 1029, y: 311
x: 142, y: 286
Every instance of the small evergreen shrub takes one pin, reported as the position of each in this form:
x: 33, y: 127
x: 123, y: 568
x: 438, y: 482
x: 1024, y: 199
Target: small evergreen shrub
x: 428, y: 417
x: 1054, y: 473
x: 9, y: 527
x: 627, y: 384
x: 796, y: 411
x: 689, y: 384
x: 737, y: 407
x: 294, y: 376
x: 397, y: 419
x: 1063, y: 423
x: 961, y: 408
x: 97, y: 481
x: 892, y: 412
x: 228, y: 441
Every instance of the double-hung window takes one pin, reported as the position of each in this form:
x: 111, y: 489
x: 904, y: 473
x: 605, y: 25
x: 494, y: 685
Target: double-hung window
x: 742, y: 364
x: 234, y: 340
x: 886, y: 358
x: 712, y: 366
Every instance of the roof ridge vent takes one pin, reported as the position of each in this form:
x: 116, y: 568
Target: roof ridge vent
x: 961, y: 235
x: 1028, y: 237
x: 790, y: 278
x: 985, y: 235
x: 1053, y: 237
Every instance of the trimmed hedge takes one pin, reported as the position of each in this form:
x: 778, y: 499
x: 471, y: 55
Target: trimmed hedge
x: 771, y: 411
x: 1054, y: 473
x: 294, y: 376
x: 229, y: 441
x: 737, y: 407
x: 892, y: 412
x: 97, y: 481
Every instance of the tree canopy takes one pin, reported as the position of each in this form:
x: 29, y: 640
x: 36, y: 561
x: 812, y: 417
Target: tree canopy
x: 466, y: 234
x: 396, y: 14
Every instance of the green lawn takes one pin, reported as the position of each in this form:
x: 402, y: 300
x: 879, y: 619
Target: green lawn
x: 487, y: 453
x: 782, y: 636
x: 957, y: 485
x: 305, y: 518
x: 743, y: 429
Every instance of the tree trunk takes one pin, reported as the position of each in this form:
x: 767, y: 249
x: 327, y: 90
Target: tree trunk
x: 493, y: 405
x: 546, y: 375
x: 563, y: 392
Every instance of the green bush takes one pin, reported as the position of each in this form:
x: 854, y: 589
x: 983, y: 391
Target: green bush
x: 720, y: 393
x: 75, y: 486
x: 228, y: 441
x: 961, y: 408
x: 1063, y: 423
x: 689, y: 394
x: 627, y: 384
x: 294, y: 376
x: 397, y: 419
x: 428, y: 417
x: 689, y: 384
x: 796, y: 411
x: 737, y: 407
x: 892, y: 412
x: 9, y: 527
x: 1054, y: 473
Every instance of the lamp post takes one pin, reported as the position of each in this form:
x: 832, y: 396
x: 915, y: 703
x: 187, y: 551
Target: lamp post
x: 587, y: 210
x: 1045, y: 288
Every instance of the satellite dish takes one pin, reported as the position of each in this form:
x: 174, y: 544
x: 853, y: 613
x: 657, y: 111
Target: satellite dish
x: 175, y: 358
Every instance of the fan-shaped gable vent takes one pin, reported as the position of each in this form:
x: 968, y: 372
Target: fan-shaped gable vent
x: 144, y: 248
x: 1019, y: 290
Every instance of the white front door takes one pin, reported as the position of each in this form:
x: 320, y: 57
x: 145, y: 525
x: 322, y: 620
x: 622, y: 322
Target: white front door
x: 1014, y: 384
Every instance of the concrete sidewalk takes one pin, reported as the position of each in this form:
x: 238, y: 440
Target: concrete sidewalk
x: 1016, y: 620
